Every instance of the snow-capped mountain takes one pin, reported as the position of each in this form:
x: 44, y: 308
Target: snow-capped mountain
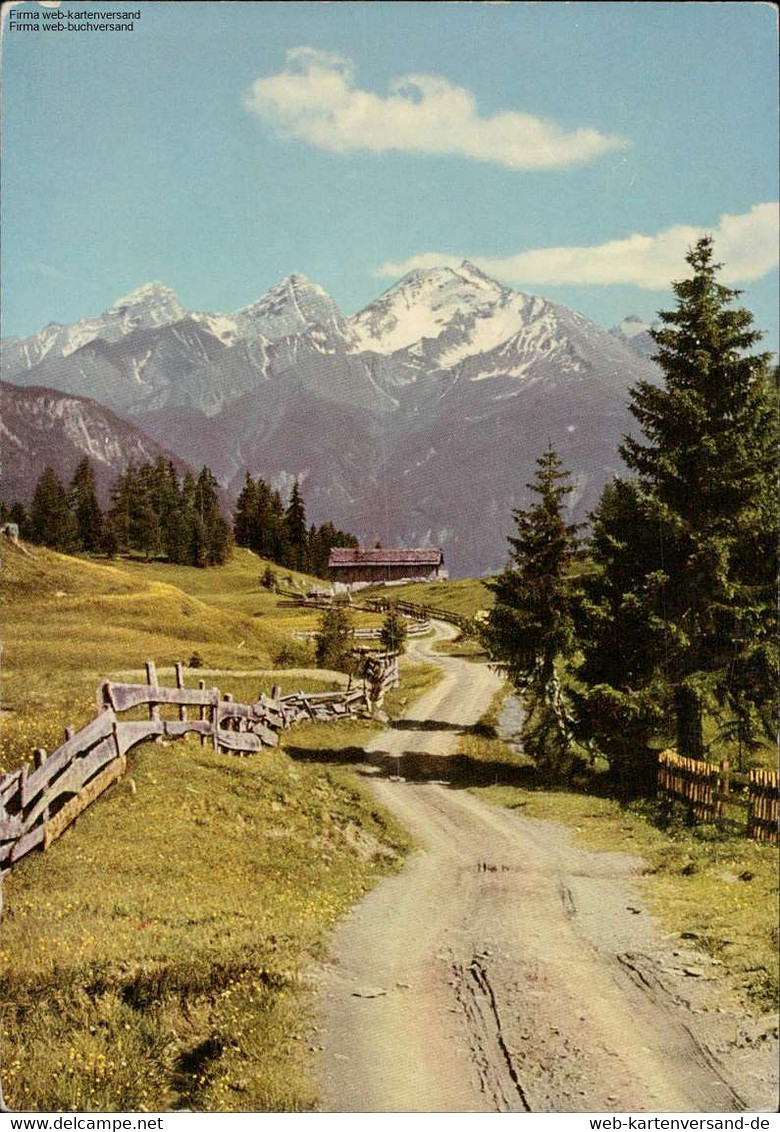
x: 417, y: 420
x: 290, y: 307
x: 635, y: 332
x: 147, y: 307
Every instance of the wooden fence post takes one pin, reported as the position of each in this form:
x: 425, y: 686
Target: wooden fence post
x: 151, y: 680
x: 23, y: 786
x: 202, y: 712
x: 724, y: 785
x: 763, y: 811
x: 180, y: 684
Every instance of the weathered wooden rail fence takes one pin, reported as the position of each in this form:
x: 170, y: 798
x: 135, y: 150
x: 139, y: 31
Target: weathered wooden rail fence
x: 414, y: 628
x: 711, y: 790
x: 419, y: 613
x: 39, y: 802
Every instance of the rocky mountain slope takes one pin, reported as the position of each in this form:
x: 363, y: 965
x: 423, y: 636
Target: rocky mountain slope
x: 41, y: 426
x: 635, y: 332
x: 416, y: 421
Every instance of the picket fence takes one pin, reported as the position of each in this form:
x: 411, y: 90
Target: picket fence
x: 711, y: 789
x: 38, y: 802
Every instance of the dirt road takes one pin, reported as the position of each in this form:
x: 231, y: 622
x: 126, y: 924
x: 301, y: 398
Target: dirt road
x: 506, y: 970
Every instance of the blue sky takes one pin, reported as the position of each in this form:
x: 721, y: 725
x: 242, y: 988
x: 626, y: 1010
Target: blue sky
x: 573, y: 150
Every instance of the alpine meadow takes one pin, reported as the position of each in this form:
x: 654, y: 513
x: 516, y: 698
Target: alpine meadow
x: 389, y: 525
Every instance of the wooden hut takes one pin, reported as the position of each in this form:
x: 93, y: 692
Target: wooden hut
x: 354, y: 567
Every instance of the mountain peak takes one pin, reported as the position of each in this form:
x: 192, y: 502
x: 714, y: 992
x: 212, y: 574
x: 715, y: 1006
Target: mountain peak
x: 289, y: 307
x: 636, y: 333
x: 147, y: 293
x: 470, y: 269
x: 428, y: 300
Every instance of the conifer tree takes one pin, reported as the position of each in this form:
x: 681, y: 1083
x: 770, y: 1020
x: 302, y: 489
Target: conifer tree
x: 84, y: 505
x: 295, y: 530
x: 51, y: 520
x: 531, y: 626
x: 245, y: 514
x: 120, y: 513
x: 393, y: 633
x: 334, y: 640
x: 681, y: 615
x: 707, y: 464
x: 622, y: 703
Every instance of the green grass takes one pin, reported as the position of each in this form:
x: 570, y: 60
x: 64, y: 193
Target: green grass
x: 465, y: 596
x: 465, y: 648
x: 155, y: 957
x: 68, y: 623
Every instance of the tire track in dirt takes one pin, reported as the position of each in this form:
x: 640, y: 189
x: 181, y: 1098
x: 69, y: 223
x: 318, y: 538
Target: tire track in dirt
x: 505, y: 969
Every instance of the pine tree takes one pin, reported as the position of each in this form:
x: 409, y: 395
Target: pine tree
x: 85, y: 507
x: 393, y: 633
x: 622, y: 702
x: 334, y: 640
x: 245, y: 514
x: 212, y: 536
x: 706, y: 467
x: 51, y: 521
x: 531, y: 626
x: 295, y: 531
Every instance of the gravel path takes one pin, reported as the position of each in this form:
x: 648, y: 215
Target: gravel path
x: 506, y: 970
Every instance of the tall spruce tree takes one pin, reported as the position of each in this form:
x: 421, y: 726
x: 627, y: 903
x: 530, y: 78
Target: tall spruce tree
x: 245, y: 513
x: 705, y: 509
x: 85, y: 507
x: 622, y: 702
x: 51, y: 521
x: 530, y: 626
x: 295, y: 531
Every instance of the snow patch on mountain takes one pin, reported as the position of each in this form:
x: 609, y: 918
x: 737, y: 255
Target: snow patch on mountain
x: 422, y: 305
x: 290, y: 307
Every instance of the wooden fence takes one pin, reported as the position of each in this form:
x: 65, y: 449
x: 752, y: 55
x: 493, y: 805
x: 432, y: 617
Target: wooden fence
x: 763, y: 814
x: 422, y: 612
x: 377, y: 605
x: 38, y: 802
x: 414, y: 628
x: 711, y: 789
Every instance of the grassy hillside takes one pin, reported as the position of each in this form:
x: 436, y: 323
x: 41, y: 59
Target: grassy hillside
x: 465, y: 596
x: 154, y: 958
x: 70, y: 622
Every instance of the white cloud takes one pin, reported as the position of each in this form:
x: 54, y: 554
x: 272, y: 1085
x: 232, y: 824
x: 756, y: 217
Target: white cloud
x: 44, y: 270
x: 747, y: 245
x: 315, y: 98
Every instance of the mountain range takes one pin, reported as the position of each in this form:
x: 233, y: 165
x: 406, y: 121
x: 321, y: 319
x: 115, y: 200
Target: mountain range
x: 40, y: 427
x: 417, y: 421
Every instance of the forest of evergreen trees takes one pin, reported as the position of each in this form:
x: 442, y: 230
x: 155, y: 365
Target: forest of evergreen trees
x: 665, y: 632
x: 154, y: 512
x: 280, y: 533
x: 151, y: 512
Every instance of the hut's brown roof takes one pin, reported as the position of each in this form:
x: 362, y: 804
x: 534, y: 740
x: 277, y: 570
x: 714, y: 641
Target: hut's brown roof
x: 364, y: 556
